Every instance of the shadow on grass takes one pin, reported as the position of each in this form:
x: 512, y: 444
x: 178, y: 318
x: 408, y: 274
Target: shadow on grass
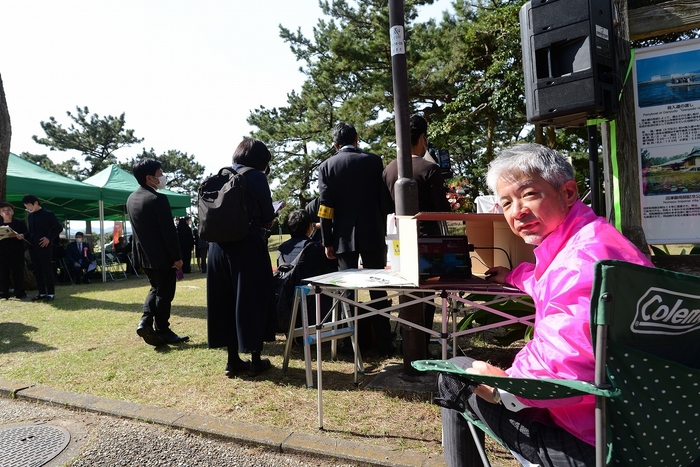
x: 14, y: 338
x: 77, y: 303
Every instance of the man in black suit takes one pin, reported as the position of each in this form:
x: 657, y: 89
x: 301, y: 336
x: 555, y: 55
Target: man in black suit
x: 44, y: 229
x: 80, y: 258
x: 156, y: 250
x: 353, y: 203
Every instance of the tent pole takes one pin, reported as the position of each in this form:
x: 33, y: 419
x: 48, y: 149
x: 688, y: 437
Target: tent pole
x: 102, y: 239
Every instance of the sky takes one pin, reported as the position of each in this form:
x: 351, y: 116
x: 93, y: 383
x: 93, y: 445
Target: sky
x: 186, y: 74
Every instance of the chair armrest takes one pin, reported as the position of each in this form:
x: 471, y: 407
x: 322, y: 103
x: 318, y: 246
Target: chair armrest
x: 529, y: 388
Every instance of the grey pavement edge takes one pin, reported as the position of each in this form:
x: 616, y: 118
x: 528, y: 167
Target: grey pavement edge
x: 281, y: 440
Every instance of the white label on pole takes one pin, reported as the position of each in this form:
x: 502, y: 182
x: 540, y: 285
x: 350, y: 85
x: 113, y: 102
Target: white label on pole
x: 398, y: 46
x: 602, y: 32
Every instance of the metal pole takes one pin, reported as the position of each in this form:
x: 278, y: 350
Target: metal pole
x: 406, y: 188
x: 593, y: 168
x: 102, y: 238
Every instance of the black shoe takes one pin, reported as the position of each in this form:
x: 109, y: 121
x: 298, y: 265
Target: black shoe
x: 49, y: 298
x: 169, y: 337
x: 21, y: 296
x: 386, y: 350
x: 40, y: 298
x: 257, y: 368
x: 239, y: 367
x: 4, y: 296
x: 86, y: 280
x: 147, y: 333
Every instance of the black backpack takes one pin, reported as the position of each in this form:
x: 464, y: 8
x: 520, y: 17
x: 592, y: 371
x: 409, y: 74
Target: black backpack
x: 223, y: 214
x: 284, y: 281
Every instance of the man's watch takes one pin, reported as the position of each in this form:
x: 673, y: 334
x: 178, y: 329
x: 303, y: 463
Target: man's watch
x: 496, y: 396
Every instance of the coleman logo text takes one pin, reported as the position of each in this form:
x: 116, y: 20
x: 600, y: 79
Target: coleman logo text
x: 662, y: 311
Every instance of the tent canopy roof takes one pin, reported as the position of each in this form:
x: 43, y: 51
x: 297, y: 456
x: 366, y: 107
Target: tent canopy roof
x: 117, y: 184
x: 73, y: 200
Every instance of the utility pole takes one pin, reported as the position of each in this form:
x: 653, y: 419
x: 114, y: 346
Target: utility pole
x: 406, y: 188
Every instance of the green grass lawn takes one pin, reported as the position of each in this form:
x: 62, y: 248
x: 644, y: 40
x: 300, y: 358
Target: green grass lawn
x: 85, y: 342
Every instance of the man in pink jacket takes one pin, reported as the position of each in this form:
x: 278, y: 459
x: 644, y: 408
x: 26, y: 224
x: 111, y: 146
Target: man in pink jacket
x: 536, y: 188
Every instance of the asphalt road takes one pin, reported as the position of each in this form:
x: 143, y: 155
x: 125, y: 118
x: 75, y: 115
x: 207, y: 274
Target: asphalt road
x: 100, y: 440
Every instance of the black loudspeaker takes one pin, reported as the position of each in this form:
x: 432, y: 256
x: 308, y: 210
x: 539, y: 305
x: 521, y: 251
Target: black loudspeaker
x: 571, y: 73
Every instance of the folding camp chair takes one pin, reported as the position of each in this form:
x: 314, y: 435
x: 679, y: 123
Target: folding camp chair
x: 111, y: 266
x: 645, y: 324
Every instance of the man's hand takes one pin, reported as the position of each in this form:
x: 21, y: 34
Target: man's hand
x: 330, y: 252
x: 19, y: 236
x: 77, y: 265
x: 44, y: 242
x: 483, y: 368
x: 177, y: 264
x: 497, y: 274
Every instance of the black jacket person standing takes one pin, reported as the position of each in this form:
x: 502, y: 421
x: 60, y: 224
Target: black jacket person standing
x: 12, y: 253
x: 156, y: 249
x: 353, y: 206
x: 44, y: 229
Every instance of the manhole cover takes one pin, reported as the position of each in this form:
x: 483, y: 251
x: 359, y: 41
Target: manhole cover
x: 31, y: 445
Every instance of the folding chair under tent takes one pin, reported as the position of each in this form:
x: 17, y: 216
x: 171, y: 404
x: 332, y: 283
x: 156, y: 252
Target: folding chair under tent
x: 645, y: 327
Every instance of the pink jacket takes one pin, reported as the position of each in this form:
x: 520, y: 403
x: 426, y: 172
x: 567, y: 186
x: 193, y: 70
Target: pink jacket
x: 560, y: 284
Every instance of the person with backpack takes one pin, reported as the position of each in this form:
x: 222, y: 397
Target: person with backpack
x: 239, y: 271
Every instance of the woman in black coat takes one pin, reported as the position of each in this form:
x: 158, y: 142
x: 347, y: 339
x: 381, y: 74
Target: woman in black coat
x: 186, y: 239
x: 239, y: 273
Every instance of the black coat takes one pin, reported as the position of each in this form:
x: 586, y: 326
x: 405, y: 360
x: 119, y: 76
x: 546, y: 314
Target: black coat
x: 185, y: 237
x: 432, y: 196
x: 351, y: 184
x: 155, y: 244
x: 14, y: 245
x: 43, y: 223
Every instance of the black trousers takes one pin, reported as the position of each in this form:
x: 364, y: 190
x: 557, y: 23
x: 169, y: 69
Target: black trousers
x: 43, y: 269
x: 80, y: 272
x: 12, y: 261
x: 158, y: 302
x: 371, y: 259
x: 530, y: 432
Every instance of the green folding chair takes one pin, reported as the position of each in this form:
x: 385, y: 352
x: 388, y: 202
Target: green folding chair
x: 645, y: 324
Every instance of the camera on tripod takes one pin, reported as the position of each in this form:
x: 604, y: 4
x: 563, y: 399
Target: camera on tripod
x: 442, y: 158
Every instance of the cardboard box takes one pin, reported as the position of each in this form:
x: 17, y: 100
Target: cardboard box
x: 493, y: 242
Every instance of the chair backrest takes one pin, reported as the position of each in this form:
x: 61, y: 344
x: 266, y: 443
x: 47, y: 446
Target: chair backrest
x: 653, y: 358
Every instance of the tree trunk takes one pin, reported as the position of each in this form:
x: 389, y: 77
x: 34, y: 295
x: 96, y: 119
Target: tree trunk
x: 490, y: 135
x: 5, y: 138
x: 551, y: 137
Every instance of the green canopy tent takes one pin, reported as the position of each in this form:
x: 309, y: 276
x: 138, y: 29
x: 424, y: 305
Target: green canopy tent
x: 116, y: 184
x: 100, y: 197
x: 69, y: 199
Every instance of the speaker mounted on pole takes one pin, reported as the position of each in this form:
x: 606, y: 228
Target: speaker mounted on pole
x: 571, y: 73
